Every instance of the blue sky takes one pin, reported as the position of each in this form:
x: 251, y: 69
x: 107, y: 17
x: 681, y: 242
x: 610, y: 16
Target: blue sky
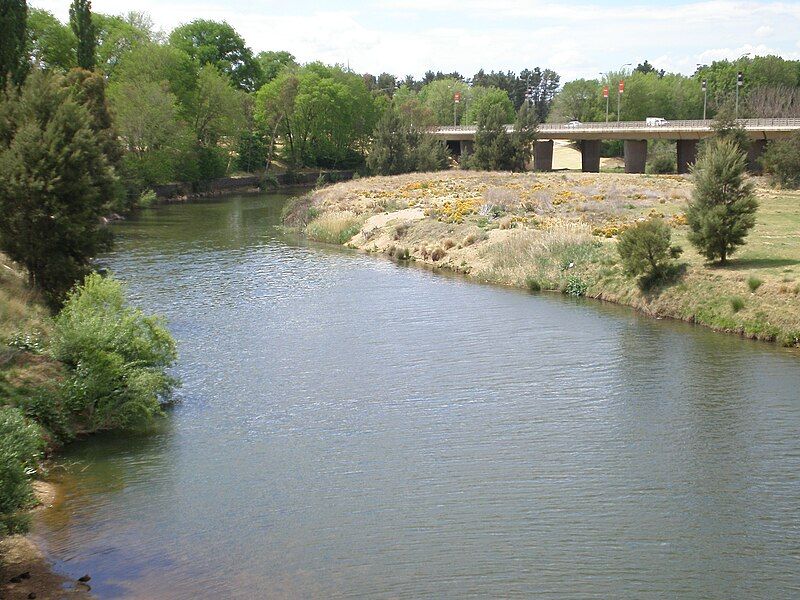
x: 577, y: 39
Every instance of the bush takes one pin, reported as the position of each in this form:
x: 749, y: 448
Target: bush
x: 646, y: 252
x: 146, y: 199
x: 737, y: 304
x: 20, y: 446
x: 117, y: 357
x: 575, y: 286
x: 533, y: 285
x: 662, y: 158
x: 781, y: 160
x: 723, y: 206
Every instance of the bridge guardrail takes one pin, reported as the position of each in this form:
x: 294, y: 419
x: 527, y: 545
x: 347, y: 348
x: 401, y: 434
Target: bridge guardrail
x: 684, y: 124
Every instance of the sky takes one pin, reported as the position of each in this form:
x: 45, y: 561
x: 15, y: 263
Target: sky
x: 576, y: 39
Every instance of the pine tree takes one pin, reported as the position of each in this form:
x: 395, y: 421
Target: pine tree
x: 13, y: 61
x: 390, y: 153
x: 80, y: 19
x: 723, y: 206
x: 55, y: 184
x: 523, y: 137
x: 494, y: 150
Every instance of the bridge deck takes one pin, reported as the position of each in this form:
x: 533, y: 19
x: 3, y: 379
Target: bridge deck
x: 635, y: 130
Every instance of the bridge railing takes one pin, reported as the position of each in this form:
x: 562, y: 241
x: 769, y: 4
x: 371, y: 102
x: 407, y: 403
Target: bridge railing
x: 683, y: 124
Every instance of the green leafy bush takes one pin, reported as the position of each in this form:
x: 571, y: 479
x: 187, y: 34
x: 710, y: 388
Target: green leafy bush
x: 20, y: 446
x: 117, y: 357
x: 575, y: 286
x: 646, y: 252
x: 782, y: 161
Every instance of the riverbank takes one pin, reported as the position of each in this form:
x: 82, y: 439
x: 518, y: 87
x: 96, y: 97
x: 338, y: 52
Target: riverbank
x: 557, y: 232
x: 25, y: 572
x: 181, y: 192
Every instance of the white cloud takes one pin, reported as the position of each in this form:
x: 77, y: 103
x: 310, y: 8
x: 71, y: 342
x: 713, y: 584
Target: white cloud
x: 575, y: 39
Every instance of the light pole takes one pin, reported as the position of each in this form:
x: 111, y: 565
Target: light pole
x: 704, y: 87
x: 621, y: 87
x: 605, y: 93
x: 739, y: 83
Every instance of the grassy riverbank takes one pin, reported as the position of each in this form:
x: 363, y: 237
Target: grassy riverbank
x: 558, y: 232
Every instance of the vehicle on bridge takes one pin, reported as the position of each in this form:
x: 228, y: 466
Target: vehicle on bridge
x: 655, y: 121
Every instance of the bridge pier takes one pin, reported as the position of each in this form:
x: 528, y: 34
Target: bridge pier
x: 754, y: 152
x: 687, y: 154
x: 466, y: 147
x: 543, y: 155
x: 635, y: 152
x: 590, y: 156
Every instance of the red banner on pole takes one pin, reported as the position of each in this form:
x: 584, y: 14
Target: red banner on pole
x: 605, y: 91
x: 621, y: 86
x: 457, y: 97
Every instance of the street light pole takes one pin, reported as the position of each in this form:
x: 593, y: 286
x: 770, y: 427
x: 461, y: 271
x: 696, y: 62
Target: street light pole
x: 705, y: 97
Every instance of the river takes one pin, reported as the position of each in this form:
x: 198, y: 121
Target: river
x: 353, y: 428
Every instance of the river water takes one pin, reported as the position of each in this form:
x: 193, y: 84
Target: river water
x: 352, y: 428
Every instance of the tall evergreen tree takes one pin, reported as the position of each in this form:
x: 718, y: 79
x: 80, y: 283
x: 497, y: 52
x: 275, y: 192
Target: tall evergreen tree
x: 13, y: 62
x: 723, y: 207
x: 55, y: 184
x: 80, y: 19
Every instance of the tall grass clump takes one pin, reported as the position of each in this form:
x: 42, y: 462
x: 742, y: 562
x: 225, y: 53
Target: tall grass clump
x: 544, y: 255
x: 334, y: 227
x: 20, y: 446
x: 116, y: 357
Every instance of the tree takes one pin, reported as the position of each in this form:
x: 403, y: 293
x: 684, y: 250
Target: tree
x: 438, y: 96
x: 155, y: 137
x: 218, y: 108
x: 80, y: 19
x: 723, y: 206
x: 116, y: 37
x: 782, y: 160
x: 485, y: 97
x: 324, y: 115
x: 523, y: 137
x: 646, y: 252
x: 578, y: 100
x: 390, y: 151
x: 55, y: 184
x: 212, y: 42
x: 494, y: 150
x: 13, y: 60
x: 272, y: 63
x: 51, y: 44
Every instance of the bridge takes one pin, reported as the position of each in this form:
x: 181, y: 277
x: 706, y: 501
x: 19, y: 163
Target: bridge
x: 634, y: 135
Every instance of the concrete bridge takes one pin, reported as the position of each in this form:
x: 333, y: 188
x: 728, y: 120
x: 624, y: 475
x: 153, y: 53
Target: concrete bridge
x: 634, y: 135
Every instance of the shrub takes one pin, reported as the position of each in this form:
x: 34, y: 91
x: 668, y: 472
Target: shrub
x: 533, y: 285
x: 117, y: 357
x: 20, y: 446
x: 662, y: 158
x: 438, y: 254
x: 575, y: 286
x: 782, y: 161
x: 646, y: 252
x: 146, y: 199
x: 723, y: 206
x: 737, y: 304
x: 754, y: 283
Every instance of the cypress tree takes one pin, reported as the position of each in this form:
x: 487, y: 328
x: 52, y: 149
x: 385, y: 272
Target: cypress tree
x: 80, y: 19
x: 13, y: 63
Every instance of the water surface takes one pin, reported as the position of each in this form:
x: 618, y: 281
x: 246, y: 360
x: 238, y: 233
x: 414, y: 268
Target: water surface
x: 351, y: 428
